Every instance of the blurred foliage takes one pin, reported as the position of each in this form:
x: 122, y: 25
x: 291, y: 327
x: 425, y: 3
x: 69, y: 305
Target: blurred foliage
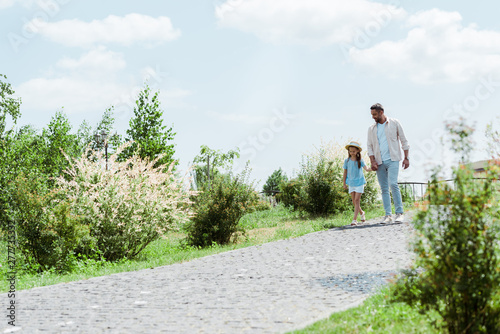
x: 457, y: 269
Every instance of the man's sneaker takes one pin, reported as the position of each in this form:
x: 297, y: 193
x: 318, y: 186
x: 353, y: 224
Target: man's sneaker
x: 400, y: 217
x: 387, y: 220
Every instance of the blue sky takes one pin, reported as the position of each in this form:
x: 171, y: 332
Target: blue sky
x: 274, y: 78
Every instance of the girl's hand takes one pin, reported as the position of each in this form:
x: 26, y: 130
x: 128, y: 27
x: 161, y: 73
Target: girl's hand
x: 345, y: 186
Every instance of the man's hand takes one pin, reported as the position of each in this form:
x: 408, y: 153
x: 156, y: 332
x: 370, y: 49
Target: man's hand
x: 373, y: 163
x: 406, y: 163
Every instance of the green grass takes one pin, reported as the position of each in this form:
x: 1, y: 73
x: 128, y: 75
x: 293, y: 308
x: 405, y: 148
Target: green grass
x: 376, y: 315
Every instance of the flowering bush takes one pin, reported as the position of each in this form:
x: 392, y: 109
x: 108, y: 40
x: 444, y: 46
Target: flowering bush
x: 127, y: 205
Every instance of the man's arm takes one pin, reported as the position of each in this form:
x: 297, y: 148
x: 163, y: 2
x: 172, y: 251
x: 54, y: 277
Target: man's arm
x: 404, y: 142
x: 405, y: 146
x: 371, y: 153
x: 406, y: 160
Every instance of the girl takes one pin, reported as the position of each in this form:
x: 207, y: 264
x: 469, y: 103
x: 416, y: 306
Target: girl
x: 354, y: 178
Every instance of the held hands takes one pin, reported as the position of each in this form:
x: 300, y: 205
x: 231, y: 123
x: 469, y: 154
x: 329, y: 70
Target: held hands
x: 373, y: 163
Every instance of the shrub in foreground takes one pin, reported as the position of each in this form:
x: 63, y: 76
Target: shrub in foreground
x: 457, y: 270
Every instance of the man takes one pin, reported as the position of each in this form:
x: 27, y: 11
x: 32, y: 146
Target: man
x: 384, y: 152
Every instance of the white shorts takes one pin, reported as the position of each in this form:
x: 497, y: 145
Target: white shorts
x: 358, y: 189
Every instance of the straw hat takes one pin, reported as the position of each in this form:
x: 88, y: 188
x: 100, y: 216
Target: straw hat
x: 355, y: 144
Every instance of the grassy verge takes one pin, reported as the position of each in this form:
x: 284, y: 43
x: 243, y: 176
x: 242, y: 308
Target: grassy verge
x: 376, y: 315
x: 262, y: 227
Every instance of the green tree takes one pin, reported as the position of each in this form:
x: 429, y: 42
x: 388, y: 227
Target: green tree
x: 9, y: 107
x: 273, y: 182
x: 211, y: 163
x: 150, y: 137
x: 9, y: 110
x: 58, y: 141
x: 106, y: 125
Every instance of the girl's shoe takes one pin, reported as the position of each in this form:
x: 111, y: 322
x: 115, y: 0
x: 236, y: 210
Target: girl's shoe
x: 354, y: 222
x: 363, y: 218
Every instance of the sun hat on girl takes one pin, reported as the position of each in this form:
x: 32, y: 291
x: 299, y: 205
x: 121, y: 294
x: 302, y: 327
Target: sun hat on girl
x: 355, y: 144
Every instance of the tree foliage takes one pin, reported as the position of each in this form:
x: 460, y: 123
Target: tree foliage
x: 271, y: 187
x: 9, y: 111
x: 58, y: 137
x: 210, y: 164
x: 87, y: 136
x: 9, y: 107
x: 150, y: 138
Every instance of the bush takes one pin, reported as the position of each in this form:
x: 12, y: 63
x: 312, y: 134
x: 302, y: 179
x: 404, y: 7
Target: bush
x: 126, y: 206
x: 457, y: 270
x: 48, y: 229
x: 219, y: 209
x: 292, y: 194
x: 319, y: 188
x: 324, y: 188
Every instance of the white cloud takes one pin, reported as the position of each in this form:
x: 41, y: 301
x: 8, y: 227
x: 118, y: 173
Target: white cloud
x: 127, y: 30
x: 438, y: 48
x: 79, y: 85
x: 308, y: 22
x: 95, y: 62
x: 93, y: 82
x: 46, y: 95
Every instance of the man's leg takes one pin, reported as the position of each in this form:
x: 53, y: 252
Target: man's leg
x: 383, y: 181
x: 393, y: 183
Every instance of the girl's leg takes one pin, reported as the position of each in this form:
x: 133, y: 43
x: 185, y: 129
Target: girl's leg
x: 357, y: 204
x: 353, y: 197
